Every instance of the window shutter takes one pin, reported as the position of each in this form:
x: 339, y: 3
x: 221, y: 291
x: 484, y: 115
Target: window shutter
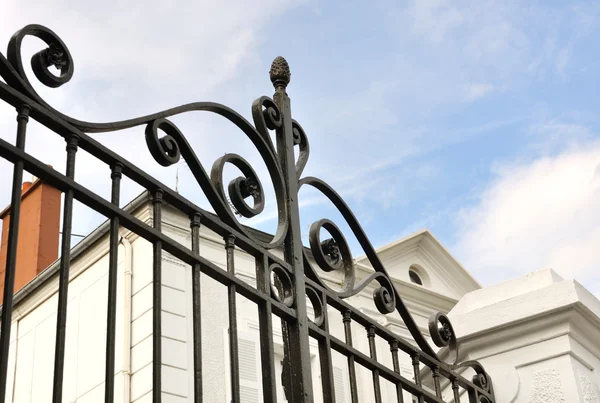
x: 250, y: 379
x: 340, y: 385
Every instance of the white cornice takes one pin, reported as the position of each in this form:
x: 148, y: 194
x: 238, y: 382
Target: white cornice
x: 575, y: 320
x: 450, y: 268
x: 447, y: 272
x: 409, y: 291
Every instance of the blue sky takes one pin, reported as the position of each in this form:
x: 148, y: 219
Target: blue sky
x: 477, y: 120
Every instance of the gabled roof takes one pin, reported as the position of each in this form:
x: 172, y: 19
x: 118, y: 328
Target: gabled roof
x: 424, y: 251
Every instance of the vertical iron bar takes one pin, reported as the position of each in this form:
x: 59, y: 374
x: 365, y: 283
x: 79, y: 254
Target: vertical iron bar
x: 373, y: 351
x: 295, y: 333
x: 265, y: 324
x: 111, y: 311
x: 63, y: 281
x: 396, y: 363
x: 157, y: 201
x: 417, y: 372
x: 436, y: 381
x: 327, y: 377
x: 233, y: 334
x: 347, y: 320
x: 196, y: 306
x: 11, y: 254
x: 455, y: 391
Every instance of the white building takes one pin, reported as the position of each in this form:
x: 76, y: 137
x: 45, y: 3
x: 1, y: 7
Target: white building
x: 537, y: 332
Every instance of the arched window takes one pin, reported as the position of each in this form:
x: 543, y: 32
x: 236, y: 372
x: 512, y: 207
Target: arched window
x: 414, y: 276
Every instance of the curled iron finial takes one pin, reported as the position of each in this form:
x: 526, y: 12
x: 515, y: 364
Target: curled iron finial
x: 280, y: 73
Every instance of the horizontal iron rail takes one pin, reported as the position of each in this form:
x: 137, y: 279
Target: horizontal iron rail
x: 370, y: 364
x: 92, y: 200
x: 389, y: 336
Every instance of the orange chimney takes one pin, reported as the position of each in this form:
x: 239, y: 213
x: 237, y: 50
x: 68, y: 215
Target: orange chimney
x: 39, y: 229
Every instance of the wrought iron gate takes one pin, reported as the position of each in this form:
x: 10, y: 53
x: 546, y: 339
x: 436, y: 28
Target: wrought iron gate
x: 295, y: 275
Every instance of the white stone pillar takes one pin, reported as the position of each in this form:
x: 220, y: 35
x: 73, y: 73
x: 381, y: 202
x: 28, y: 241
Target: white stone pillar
x: 538, y: 336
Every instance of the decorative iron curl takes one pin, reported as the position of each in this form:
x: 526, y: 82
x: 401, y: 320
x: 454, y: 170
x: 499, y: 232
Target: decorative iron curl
x: 481, y: 378
x: 318, y: 305
x: 241, y: 187
x: 386, y: 295
x: 56, y: 54
x: 301, y: 140
x: 333, y: 254
x: 167, y: 151
x: 266, y: 116
x: 282, y: 287
x: 442, y: 333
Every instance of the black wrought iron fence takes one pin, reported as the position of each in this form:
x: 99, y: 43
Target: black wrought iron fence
x: 295, y: 277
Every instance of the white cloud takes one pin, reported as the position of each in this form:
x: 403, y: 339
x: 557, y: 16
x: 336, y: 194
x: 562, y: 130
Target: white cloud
x: 135, y: 58
x: 478, y: 90
x: 535, y: 215
x: 435, y: 18
x: 183, y: 45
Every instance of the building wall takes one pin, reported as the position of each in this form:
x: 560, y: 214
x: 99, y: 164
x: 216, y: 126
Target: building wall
x: 34, y: 329
x: 176, y: 284
x: 32, y: 349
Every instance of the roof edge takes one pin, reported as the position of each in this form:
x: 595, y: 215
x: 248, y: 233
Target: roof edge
x: 424, y: 233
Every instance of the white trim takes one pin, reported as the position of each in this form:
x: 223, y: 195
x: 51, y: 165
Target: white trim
x: 427, y: 242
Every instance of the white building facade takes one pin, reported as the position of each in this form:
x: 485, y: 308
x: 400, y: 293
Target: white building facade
x: 442, y: 283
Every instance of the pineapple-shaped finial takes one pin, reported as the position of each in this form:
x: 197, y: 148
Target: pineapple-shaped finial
x: 280, y: 73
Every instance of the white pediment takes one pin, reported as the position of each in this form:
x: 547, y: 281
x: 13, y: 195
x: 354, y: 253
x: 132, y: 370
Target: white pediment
x: 438, y: 270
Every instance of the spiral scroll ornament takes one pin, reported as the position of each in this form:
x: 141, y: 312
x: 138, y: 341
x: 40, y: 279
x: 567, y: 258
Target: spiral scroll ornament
x: 301, y: 140
x: 282, y: 287
x: 165, y: 149
x: 317, y: 304
x: 333, y: 254
x: 240, y: 188
x: 56, y: 54
x: 384, y: 298
x: 481, y: 378
x: 442, y: 333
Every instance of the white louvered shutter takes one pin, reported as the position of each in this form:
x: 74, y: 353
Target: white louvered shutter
x: 250, y: 379
x: 340, y: 384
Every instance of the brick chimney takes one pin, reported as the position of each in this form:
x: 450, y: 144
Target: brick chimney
x: 39, y: 228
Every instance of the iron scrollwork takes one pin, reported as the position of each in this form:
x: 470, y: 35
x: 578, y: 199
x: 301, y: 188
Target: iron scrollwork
x: 245, y: 194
